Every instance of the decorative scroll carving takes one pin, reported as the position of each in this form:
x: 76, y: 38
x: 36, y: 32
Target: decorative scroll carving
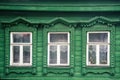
x: 60, y: 21
x: 58, y: 25
x: 55, y: 70
x: 106, y: 25
x: 20, y: 70
x: 98, y: 20
x: 97, y: 71
x: 17, y: 21
x: 19, y: 24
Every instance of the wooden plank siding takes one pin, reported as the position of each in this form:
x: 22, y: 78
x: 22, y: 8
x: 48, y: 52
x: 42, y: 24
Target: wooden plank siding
x: 78, y: 59
x: 76, y: 19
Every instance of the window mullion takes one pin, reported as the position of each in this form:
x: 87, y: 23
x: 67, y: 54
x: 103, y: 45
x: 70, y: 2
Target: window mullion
x: 58, y: 54
x: 21, y: 54
x: 97, y: 54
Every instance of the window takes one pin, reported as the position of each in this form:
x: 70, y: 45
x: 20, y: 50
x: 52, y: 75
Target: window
x: 21, y: 49
x: 98, y: 48
x: 58, y: 49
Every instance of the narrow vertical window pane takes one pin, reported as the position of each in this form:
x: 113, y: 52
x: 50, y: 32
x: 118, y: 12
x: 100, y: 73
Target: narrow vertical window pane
x: 103, y: 54
x: 92, y: 54
x: 98, y: 37
x: 63, y: 54
x: 26, y: 54
x: 53, y: 55
x: 21, y: 38
x: 16, y: 54
x: 59, y: 37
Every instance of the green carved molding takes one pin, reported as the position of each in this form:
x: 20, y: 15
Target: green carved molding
x: 99, y: 20
x: 58, y: 26
x: 69, y: 23
x: 17, y: 21
x: 58, y: 70
x: 19, y: 25
x: 20, y: 70
x: 59, y: 20
x: 99, y: 24
x: 94, y: 70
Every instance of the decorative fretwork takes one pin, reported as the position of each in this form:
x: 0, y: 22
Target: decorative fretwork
x: 98, y: 24
x: 58, y: 26
x: 98, y: 70
x: 59, y: 70
x: 17, y: 21
x: 98, y: 20
x: 61, y: 25
x: 19, y: 25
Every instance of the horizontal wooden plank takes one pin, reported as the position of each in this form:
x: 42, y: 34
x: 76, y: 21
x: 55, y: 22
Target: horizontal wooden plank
x: 62, y: 7
x: 78, y: 38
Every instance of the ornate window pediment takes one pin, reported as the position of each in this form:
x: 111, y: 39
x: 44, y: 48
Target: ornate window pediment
x: 98, y: 24
x: 98, y: 20
x: 19, y: 21
x: 19, y: 25
x: 60, y: 21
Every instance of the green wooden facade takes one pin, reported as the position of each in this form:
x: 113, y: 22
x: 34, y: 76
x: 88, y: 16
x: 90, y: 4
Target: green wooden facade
x: 74, y: 16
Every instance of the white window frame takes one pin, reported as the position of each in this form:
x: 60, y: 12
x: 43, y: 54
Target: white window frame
x: 97, y: 49
x: 21, y: 50
x: 58, y: 44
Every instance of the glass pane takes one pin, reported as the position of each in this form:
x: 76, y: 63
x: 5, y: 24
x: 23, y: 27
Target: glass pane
x: 63, y: 54
x: 98, y: 37
x: 92, y: 54
x: 26, y: 54
x: 53, y: 55
x: 21, y: 38
x: 16, y: 54
x: 59, y: 37
x: 103, y: 54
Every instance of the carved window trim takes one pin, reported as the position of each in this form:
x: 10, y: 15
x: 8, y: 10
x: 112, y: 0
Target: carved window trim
x: 98, y: 69
x: 58, y: 44
x: 58, y: 69
x: 20, y: 45
x: 97, y: 47
x: 19, y: 27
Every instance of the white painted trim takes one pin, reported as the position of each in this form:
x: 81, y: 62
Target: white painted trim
x: 58, y: 54
x: 98, y: 32
x: 58, y: 44
x: 21, y: 50
x: 11, y: 37
x: 58, y: 33
x: 97, y: 55
x: 97, y: 49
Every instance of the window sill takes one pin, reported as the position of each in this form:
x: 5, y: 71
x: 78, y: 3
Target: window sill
x: 98, y: 70
x: 97, y: 65
x: 20, y: 69
x: 58, y: 70
x: 62, y: 66
x: 20, y: 65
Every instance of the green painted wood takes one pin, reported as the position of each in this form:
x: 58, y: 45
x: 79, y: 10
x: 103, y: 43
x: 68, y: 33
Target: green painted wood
x: 41, y: 17
x: 84, y: 39
x: 76, y: 71
x: 19, y: 27
x: 65, y: 8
